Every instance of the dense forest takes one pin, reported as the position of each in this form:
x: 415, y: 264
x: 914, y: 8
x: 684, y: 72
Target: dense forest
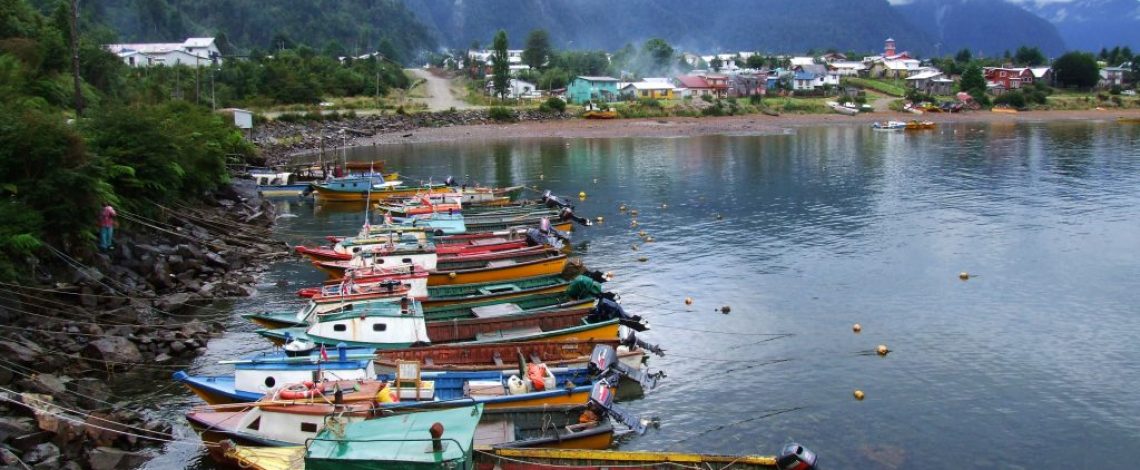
x: 57, y: 167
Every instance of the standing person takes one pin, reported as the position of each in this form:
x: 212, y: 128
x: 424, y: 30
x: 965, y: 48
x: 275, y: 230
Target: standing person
x: 106, y: 226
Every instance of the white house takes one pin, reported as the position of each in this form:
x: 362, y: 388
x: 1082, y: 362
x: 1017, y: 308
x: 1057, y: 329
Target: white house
x: 516, y: 89
x: 194, y: 52
x: 801, y: 60
x: 846, y: 68
x: 514, y: 56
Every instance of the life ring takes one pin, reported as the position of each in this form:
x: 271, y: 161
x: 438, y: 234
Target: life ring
x: 301, y: 391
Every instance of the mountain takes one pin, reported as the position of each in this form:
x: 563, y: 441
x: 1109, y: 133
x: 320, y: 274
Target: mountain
x: 725, y: 25
x: 357, y: 25
x: 986, y: 26
x: 1092, y: 24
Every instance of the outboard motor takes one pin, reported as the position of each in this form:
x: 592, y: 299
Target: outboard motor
x: 568, y: 214
x: 602, y: 398
x: 630, y: 340
x: 607, y: 309
x: 535, y: 237
x: 604, y: 362
x: 450, y: 181
x: 553, y: 201
x: 795, y: 457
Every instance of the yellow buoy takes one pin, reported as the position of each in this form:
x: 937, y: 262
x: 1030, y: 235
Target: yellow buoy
x: 857, y: 328
x: 648, y: 239
x: 882, y: 350
x: 609, y: 275
x: 633, y: 223
x: 965, y: 276
x: 581, y: 195
x: 641, y: 233
x: 601, y: 219
x: 859, y: 395
x: 633, y: 212
x: 688, y: 301
x: 725, y: 309
x: 622, y: 208
x: 452, y: 275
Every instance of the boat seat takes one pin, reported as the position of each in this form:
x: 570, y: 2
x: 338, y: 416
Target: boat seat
x: 499, y: 289
x: 490, y: 311
x: 508, y: 334
x: 501, y: 263
x: 484, y: 388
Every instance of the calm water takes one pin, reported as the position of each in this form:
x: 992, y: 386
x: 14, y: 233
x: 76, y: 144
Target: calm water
x: 1032, y: 363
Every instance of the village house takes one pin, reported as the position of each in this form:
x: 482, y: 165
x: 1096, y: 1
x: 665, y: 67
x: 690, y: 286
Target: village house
x: 1042, y: 74
x: 845, y: 68
x: 891, y: 64
x: 812, y: 76
x: 1009, y: 78
x: 584, y: 89
x: 930, y: 82
x: 831, y: 57
x: 193, y: 52
x: 657, y: 89
x: 748, y: 83
x: 713, y: 85
x: 1112, y: 76
x: 516, y: 89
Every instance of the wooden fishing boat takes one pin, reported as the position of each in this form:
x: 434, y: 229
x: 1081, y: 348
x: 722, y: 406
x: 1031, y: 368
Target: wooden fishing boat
x: 919, y: 125
x: 508, y: 458
x: 1128, y: 120
x: 262, y: 373
x: 600, y: 115
x: 503, y: 356
x: 499, y: 270
x: 398, y: 441
x: 487, y: 291
x: 368, y: 189
x: 364, y: 264
x: 842, y: 109
x: 889, y: 126
x: 281, y: 319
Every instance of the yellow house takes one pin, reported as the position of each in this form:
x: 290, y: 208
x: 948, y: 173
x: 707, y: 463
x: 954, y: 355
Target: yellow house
x: 659, y: 90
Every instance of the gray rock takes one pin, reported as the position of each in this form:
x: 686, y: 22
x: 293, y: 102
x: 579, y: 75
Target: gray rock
x: 13, y: 426
x: 216, y: 260
x: 109, y: 458
x: 163, y: 357
x: 41, y: 453
x: 177, y: 347
x: 24, y: 352
x: 174, y: 302
x: 115, y: 350
x: 91, y: 392
x: 7, y: 457
x: 47, y: 384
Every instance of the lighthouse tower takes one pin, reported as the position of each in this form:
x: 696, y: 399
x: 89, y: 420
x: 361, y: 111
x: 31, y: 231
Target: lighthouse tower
x: 889, y: 48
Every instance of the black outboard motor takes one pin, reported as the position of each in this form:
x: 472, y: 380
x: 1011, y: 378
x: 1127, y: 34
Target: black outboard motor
x: 795, y: 457
x: 450, y: 181
x: 601, y: 397
x: 630, y: 340
x: 553, y: 201
x: 607, y: 309
x: 604, y: 362
x: 568, y: 214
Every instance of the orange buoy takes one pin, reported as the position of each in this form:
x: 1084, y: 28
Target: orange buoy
x: 882, y: 350
x: 859, y: 395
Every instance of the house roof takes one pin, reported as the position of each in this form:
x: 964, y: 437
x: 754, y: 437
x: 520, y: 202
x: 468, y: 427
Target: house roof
x: 843, y: 64
x: 692, y: 81
x: 597, y: 79
x: 806, y: 76
x: 198, y: 42
x: 650, y: 86
x: 1039, y: 72
x: 803, y: 60
x: 145, y: 48
x: 818, y: 69
x: 925, y: 75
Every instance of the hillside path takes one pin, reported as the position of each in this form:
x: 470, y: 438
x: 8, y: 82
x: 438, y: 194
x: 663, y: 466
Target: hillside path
x: 439, y: 97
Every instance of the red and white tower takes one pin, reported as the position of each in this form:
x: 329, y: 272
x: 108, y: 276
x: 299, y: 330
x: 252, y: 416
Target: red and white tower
x: 889, y: 48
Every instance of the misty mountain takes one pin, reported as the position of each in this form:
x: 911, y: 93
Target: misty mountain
x: 356, y: 25
x: 725, y: 25
x: 1092, y: 24
x: 986, y: 26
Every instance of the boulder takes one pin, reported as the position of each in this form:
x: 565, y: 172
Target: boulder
x: 177, y: 347
x: 109, y: 458
x: 15, y: 426
x: 115, y: 350
x: 24, y: 352
x: 7, y: 457
x: 47, y: 384
x: 174, y: 302
x: 163, y: 357
x: 91, y: 392
x: 189, y: 251
x: 41, y: 453
x: 217, y: 260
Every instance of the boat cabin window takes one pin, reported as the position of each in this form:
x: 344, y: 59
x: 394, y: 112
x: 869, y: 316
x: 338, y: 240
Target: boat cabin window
x: 406, y: 261
x: 379, y: 327
x: 255, y: 425
x: 340, y: 327
x: 270, y: 382
x: 308, y: 427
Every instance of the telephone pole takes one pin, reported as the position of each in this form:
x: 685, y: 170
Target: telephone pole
x: 75, y: 57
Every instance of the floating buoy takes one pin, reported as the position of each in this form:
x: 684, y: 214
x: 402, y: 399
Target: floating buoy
x: 965, y: 276
x: 452, y: 274
x: 581, y: 195
x: 882, y: 350
x: 634, y: 246
x: 725, y: 309
x: 601, y: 219
x: 664, y: 206
x: 633, y: 212
x: 609, y: 275
x: 718, y: 216
x: 648, y: 239
x: 633, y: 223
x: 688, y: 301
x: 643, y: 259
x: 622, y: 208
x: 641, y: 233
x: 856, y: 327
x: 541, y: 177
x: 595, y: 181
x: 859, y: 395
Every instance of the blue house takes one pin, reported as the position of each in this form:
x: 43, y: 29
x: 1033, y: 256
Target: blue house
x: 585, y: 89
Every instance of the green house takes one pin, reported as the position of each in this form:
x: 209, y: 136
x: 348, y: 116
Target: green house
x: 585, y: 89
x: 400, y: 442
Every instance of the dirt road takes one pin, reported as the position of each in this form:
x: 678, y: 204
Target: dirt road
x: 438, y: 89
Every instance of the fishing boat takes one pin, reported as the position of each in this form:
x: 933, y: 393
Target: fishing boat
x: 1128, y: 120
x: 889, y: 126
x: 325, y: 305
x: 367, y: 188
x: 600, y: 115
x: 1003, y: 110
x: 843, y: 109
x: 791, y: 457
x: 919, y: 125
x: 469, y: 268
x: 273, y: 182
x: 344, y: 248
x: 507, y: 356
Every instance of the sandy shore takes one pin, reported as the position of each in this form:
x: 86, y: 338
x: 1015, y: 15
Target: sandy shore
x: 735, y: 125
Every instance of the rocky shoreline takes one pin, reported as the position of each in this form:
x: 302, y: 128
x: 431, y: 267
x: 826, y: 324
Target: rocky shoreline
x: 142, y: 307
x: 280, y: 140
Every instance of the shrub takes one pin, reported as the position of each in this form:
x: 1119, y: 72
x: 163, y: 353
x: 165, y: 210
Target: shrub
x: 756, y: 99
x: 400, y: 110
x: 649, y: 103
x: 1115, y: 90
x: 555, y: 103
x: 1014, y: 98
x: 707, y: 98
x: 500, y: 113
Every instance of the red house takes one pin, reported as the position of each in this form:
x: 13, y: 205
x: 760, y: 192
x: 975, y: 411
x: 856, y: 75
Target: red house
x: 704, y: 84
x: 1010, y: 78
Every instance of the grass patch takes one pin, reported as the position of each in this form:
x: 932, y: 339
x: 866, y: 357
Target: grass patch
x: 890, y: 87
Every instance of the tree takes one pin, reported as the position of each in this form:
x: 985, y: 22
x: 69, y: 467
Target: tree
x: 963, y: 56
x: 972, y: 80
x: 1076, y: 69
x: 716, y: 64
x: 755, y: 61
x: 500, y: 65
x: 1029, y: 56
x: 660, y: 54
x: 538, y: 50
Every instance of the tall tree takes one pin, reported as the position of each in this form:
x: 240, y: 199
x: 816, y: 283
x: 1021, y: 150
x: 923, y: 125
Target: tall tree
x: 500, y: 65
x: 1076, y: 69
x: 660, y: 54
x: 963, y: 56
x: 1029, y: 56
x: 972, y: 80
x: 537, y: 51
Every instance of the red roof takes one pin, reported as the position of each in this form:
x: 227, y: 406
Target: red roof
x: 693, y: 81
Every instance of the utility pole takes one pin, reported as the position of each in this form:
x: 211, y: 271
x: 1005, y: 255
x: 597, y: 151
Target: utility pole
x: 197, y: 86
x: 75, y: 57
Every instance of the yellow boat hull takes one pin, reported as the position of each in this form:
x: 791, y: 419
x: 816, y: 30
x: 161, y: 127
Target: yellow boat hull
x: 602, y: 331
x: 325, y: 194
x: 504, y: 273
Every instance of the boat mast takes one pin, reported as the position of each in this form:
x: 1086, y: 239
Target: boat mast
x: 368, y: 197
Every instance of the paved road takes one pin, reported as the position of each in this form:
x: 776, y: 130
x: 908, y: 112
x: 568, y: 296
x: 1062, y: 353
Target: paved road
x: 439, y: 92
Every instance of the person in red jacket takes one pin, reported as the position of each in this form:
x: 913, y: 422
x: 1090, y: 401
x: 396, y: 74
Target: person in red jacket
x: 106, y: 226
